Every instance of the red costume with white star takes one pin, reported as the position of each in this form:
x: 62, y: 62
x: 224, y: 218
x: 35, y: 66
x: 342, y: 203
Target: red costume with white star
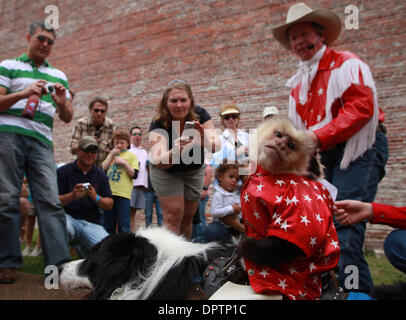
x: 296, y: 209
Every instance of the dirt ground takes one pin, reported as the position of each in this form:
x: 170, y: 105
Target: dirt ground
x: 31, y: 287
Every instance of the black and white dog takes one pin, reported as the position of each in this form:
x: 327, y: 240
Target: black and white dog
x: 153, y: 263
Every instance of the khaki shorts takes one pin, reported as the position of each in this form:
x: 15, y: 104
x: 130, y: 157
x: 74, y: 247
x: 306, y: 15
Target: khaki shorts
x: 185, y: 183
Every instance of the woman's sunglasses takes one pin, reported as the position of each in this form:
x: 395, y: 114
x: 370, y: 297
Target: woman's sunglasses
x: 234, y: 116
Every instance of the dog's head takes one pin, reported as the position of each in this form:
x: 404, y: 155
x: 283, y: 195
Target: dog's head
x: 115, y: 261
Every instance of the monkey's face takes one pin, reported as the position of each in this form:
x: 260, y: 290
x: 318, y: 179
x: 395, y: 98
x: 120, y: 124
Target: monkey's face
x: 282, y: 148
x: 279, y: 147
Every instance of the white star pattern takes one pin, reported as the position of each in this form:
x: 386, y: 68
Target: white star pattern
x: 294, y: 200
x: 292, y: 270
x: 260, y: 186
x: 246, y: 197
x: 275, y: 216
x: 318, y: 118
x: 319, y: 197
x: 307, y: 198
x: 312, y: 266
x: 320, y: 91
x: 257, y: 214
x: 334, y: 243
x: 304, y: 220
x: 285, y: 225
x: 313, y: 241
x: 280, y: 182
x: 332, y: 64
x: 293, y: 182
x: 302, y: 295
x: 264, y: 273
x: 319, y: 219
x: 278, y: 199
x: 278, y: 220
x: 289, y: 201
x: 282, y: 283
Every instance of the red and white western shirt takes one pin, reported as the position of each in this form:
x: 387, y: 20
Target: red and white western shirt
x: 341, y: 104
x: 296, y: 209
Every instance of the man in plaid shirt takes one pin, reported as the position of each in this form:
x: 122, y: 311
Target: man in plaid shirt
x: 96, y: 125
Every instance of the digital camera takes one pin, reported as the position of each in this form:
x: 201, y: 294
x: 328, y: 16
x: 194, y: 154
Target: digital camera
x: 49, y: 88
x: 86, y: 185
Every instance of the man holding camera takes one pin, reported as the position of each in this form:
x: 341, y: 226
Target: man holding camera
x: 84, y: 189
x: 26, y: 147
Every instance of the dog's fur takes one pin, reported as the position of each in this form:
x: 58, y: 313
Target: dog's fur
x: 154, y: 263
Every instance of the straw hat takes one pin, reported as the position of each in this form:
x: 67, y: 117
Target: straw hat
x: 300, y: 12
x: 229, y: 108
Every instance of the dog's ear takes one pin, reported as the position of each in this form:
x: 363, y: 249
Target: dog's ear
x: 128, y: 257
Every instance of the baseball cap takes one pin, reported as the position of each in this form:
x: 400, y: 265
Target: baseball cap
x: 87, y: 142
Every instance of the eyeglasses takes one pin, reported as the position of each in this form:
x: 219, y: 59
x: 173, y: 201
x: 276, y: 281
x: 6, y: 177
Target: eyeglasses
x: 99, y: 110
x: 234, y: 116
x: 90, y: 149
x: 137, y: 134
x: 42, y: 38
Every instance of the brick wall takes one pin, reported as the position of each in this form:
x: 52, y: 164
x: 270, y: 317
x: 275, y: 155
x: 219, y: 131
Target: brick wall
x: 128, y: 50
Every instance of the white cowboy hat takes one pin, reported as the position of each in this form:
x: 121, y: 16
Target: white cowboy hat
x: 270, y: 111
x: 300, y: 12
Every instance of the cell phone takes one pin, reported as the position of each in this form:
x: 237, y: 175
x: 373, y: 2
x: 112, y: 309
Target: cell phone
x: 188, y: 129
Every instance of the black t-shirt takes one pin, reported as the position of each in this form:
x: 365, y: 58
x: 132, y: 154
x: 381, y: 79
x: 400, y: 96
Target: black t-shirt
x: 85, y: 208
x: 195, y: 158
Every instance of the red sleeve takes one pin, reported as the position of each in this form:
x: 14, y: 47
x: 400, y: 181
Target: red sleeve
x: 357, y: 110
x: 389, y: 215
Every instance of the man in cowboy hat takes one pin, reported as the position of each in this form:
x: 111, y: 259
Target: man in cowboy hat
x: 333, y: 97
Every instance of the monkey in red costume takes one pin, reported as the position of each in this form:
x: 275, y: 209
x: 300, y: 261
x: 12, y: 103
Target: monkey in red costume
x: 290, y: 236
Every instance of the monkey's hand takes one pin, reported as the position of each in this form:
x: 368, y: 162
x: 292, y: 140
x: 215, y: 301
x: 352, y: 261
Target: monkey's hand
x: 269, y: 251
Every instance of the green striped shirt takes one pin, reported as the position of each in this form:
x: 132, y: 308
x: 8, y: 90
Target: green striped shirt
x: 16, y: 75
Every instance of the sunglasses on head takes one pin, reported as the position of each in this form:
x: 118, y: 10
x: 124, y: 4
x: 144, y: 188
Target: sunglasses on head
x: 90, y: 149
x: 137, y: 134
x: 175, y: 81
x: 99, y: 110
x: 42, y: 38
x: 234, y: 116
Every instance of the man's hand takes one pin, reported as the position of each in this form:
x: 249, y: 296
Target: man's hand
x: 36, y: 87
x: 64, y: 106
x: 59, y: 95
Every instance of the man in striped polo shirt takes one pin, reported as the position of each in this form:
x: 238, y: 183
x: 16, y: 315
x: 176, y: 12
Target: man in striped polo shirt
x: 26, y: 147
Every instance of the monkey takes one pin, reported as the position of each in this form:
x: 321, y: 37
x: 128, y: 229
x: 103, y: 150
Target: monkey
x: 287, y: 214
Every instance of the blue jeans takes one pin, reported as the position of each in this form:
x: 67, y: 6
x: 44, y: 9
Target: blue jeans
x: 18, y: 155
x: 199, y: 228
x: 120, y: 213
x: 395, y: 249
x: 359, y: 182
x: 218, y: 232
x: 84, y: 234
x: 150, y: 200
